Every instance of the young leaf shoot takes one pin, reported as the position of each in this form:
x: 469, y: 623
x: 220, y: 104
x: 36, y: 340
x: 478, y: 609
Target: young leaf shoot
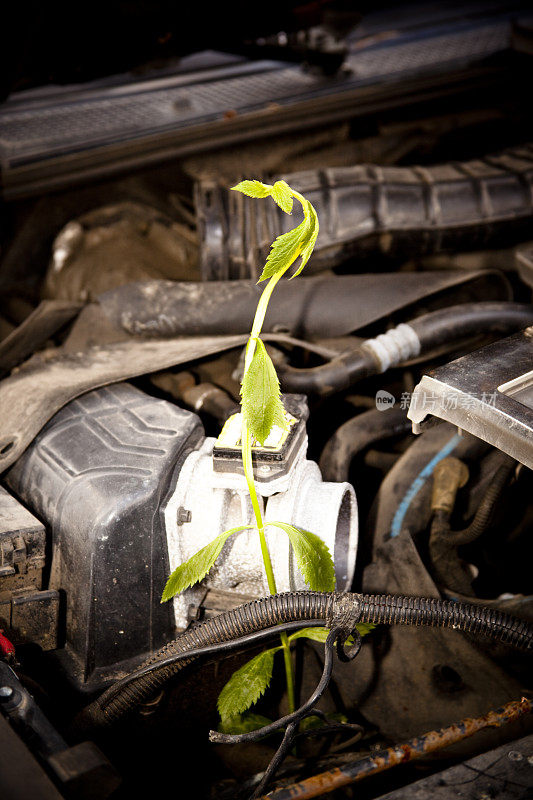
x: 261, y: 411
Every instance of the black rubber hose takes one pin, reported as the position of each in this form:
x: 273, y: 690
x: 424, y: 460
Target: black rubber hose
x: 366, y: 209
x: 334, y: 376
x: 397, y: 510
x: 356, y: 435
x: 449, y: 571
x: 319, y: 307
x: 485, y: 510
x: 417, y: 337
x: 303, y: 606
x: 458, y: 322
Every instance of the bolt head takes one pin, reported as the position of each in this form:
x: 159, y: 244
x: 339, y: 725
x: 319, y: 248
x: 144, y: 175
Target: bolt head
x: 184, y: 515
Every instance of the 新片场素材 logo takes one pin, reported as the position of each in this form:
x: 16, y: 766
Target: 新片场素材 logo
x: 384, y: 400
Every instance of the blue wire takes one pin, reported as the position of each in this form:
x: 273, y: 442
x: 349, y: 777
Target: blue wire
x: 418, y: 482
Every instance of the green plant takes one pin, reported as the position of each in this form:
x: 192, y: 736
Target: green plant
x: 248, y: 683
x: 262, y: 409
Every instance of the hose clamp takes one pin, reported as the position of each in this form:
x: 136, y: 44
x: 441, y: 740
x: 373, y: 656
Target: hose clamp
x: 392, y: 348
x: 345, y: 611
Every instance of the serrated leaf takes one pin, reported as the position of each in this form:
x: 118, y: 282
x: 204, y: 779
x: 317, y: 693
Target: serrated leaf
x: 321, y: 634
x: 195, y: 568
x: 288, y: 246
x: 253, y: 188
x: 284, y: 250
x: 260, y: 393
x: 243, y: 723
x: 316, y: 634
x: 282, y: 195
x: 312, y: 556
x: 246, y: 685
x: 310, y: 241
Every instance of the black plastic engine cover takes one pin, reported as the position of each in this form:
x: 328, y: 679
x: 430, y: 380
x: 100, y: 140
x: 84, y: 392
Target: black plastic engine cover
x: 98, y: 475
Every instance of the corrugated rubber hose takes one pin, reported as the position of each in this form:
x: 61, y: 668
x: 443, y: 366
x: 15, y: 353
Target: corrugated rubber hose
x: 367, y: 210
x: 291, y: 607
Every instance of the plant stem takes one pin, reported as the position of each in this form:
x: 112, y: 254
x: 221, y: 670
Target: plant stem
x: 248, y: 471
x: 246, y: 450
x: 262, y: 305
x: 246, y: 441
x: 260, y: 314
x: 246, y: 446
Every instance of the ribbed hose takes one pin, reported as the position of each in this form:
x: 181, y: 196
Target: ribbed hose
x: 250, y: 617
x: 486, y: 508
x: 468, y: 617
x: 296, y: 606
x: 448, y: 568
x: 366, y: 209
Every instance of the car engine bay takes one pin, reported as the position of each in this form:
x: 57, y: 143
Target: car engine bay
x: 129, y: 279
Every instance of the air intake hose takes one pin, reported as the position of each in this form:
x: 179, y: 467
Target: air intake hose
x: 366, y: 209
x: 301, y: 606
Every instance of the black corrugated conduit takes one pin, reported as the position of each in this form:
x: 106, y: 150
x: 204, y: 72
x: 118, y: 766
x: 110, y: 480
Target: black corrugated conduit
x: 367, y: 210
x: 290, y: 607
x: 485, y: 511
x: 404, y: 342
x: 448, y: 568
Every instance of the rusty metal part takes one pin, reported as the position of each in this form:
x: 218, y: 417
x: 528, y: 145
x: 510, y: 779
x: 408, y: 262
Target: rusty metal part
x: 504, y: 772
x: 410, y: 750
x: 449, y: 476
x: 203, y: 397
x: 32, y: 396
